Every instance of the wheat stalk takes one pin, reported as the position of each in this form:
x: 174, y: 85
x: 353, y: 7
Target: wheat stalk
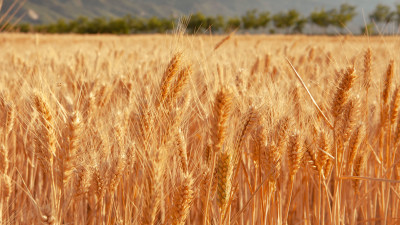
x: 224, y: 175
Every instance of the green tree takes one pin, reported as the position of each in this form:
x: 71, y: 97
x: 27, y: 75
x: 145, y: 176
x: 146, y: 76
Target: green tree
x: 136, y: 25
x: 299, y: 25
x: 24, y: 27
x: 368, y: 29
x: 153, y: 24
x: 254, y: 20
x: 346, y: 14
x: 321, y: 18
x: 61, y: 27
x: 286, y: 20
x: 79, y: 25
x: 232, y: 23
x: 381, y: 14
x: 97, y: 26
x: 118, y: 26
x: 278, y: 20
x: 250, y: 20
x: 292, y: 17
x: 200, y: 23
x: 263, y: 19
x: 214, y: 23
x: 397, y: 14
x: 196, y: 22
x: 166, y: 25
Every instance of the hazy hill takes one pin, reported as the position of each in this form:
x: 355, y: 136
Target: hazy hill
x: 51, y: 10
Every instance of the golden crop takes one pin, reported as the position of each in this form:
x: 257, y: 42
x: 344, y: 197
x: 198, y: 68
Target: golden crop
x: 175, y: 129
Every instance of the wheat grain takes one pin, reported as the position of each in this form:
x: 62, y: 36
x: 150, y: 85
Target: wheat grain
x: 75, y: 129
x: 388, y: 83
x: 296, y: 153
x: 394, y: 106
x: 182, y: 201
x: 354, y: 143
x: 367, y: 69
x: 193, y: 150
x: 224, y: 175
x: 342, y: 92
x: 45, y: 139
x: 181, y: 147
x: 222, y: 111
x: 169, y: 74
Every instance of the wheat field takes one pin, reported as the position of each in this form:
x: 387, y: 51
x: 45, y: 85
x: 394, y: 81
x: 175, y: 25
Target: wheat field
x: 177, y: 129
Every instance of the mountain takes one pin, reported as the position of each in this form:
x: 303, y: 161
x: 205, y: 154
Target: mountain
x: 46, y: 11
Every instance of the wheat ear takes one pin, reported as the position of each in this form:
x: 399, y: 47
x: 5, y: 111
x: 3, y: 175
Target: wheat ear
x: 224, y: 174
x: 247, y: 126
x: 222, y: 111
x: 74, y: 136
x: 181, y: 147
x: 46, y: 141
x: 388, y: 82
x: 311, y: 158
x: 359, y: 166
x: 169, y: 74
x: 3, y: 159
x: 180, y: 84
x: 324, y: 149
x: 342, y: 92
x: 367, y: 69
x: 394, y: 105
x: 259, y: 145
x: 225, y: 39
x: 348, y: 119
x: 182, y: 201
x: 354, y: 144
x: 296, y: 152
x: 10, y: 108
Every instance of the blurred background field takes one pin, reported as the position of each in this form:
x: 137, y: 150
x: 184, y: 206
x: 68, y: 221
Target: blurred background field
x: 254, y: 17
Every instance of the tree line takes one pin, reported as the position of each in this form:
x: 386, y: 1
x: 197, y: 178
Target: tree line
x: 290, y: 21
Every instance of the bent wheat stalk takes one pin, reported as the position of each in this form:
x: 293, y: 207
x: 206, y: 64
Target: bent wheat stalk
x: 309, y: 94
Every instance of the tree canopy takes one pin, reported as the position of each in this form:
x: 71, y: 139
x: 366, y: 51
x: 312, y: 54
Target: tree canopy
x: 290, y: 21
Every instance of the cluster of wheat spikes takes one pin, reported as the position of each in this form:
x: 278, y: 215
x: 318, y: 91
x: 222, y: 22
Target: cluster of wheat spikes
x: 118, y: 130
